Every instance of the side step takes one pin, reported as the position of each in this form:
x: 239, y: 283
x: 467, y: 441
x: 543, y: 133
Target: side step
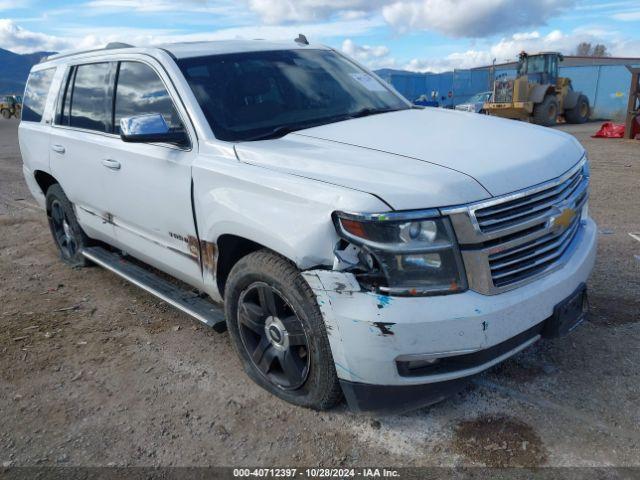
x: 189, y: 302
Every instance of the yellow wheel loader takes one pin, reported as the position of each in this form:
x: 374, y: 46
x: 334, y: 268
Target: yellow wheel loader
x: 538, y: 94
x: 10, y: 106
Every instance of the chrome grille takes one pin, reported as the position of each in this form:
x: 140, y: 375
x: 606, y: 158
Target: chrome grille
x: 512, y: 240
x: 518, y: 263
x: 516, y: 211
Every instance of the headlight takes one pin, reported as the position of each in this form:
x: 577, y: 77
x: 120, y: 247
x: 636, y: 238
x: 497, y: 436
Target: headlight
x: 415, y: 251
x: 586, y: 171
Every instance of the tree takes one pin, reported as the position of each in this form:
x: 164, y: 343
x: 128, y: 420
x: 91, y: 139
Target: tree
x: 600, y: 51
x: 585, y: 49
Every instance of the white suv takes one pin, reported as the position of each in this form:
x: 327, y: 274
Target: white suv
x: 361, y: 246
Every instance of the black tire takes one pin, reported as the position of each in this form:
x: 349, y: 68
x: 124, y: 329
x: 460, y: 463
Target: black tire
x: 67, y: 233
x: 263, y: 271
x: 546, y: 112
x: 580, y: 112
x: 6, y: 114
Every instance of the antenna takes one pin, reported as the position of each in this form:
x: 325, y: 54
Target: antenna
x: 302, y: 40
x: 112, y: 45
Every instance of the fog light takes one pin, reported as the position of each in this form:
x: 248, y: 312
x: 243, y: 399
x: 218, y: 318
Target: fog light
x: 419, y: 366
x: 427, y: 362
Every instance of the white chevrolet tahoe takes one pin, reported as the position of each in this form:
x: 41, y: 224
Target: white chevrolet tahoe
x: 360, y: 246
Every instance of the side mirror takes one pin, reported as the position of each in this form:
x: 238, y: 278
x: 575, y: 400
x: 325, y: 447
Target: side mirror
x: 150, y: 129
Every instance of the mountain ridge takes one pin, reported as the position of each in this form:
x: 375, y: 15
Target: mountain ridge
x: 15, y: 69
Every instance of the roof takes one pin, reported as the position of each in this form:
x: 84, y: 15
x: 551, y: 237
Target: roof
x: 193, y: 49
x: 197, y: 49
x: 576, y: 61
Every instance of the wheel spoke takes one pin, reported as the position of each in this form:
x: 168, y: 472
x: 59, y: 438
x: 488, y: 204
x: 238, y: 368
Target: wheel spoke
x: 268, y: 300
x: 252, y: 317
x: 295, y: 332
x: 262, y: 346
x: 56, y: 214
x: 298, y: 338
x: 71, y: 245
x: 263, y: 355
x: 291, y: 367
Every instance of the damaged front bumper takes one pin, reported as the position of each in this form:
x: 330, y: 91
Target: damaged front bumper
x: 374, y: 338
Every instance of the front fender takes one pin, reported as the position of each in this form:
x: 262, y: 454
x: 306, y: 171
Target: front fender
x: 285, y: 213
x: 540, y: 91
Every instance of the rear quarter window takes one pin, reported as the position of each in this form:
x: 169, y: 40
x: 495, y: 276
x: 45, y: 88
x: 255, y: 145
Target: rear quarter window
x: 35, y: 94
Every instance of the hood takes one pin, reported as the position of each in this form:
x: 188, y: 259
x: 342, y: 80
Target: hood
x: 422, y: 158
x: 503, y: 155
x: 403, y: 183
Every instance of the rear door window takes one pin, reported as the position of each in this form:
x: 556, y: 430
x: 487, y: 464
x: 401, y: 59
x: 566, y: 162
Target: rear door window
x: 140, y: 91
x: 35, y: 95
x: 90, y: 101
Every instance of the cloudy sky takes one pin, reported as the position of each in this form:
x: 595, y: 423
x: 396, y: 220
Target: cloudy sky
x: 413, y: 34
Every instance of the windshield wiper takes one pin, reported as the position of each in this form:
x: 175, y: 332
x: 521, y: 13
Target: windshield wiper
x: 282, y: 130
x: 277, y: 132
x: 365, y: 112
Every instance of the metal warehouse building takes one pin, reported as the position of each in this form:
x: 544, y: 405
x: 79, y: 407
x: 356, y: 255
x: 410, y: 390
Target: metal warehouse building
x: 605, y: 80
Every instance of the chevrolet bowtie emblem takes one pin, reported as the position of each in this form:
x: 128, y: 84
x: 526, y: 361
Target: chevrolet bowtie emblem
x: 564, y: 219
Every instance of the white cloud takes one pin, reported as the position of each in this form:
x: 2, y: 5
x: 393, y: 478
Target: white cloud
x: 376, y: 56
x: 457, y: 18
x: 14, y: 4
x: 147, y: 6
x: 17, y: 39
x: 508, y: 48
x: 364, y: 52
x: 632, y: 16
x: 471, y: 18
x: 288, y: 11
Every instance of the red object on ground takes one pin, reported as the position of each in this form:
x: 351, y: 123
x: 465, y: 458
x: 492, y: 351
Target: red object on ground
x: 610, y: 130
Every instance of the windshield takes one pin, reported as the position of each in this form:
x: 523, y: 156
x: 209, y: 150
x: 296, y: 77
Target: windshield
x: 479, y: 97
x: 533, y: 64
x: 257, y: 95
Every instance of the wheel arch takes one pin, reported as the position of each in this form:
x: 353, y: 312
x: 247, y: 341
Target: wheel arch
x: 44, y: 180
x: 540, y: 91
x: 571, y: 99
x: 231, y: 248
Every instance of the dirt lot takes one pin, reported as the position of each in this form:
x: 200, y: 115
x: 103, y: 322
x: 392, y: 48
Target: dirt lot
x: 94, y: 371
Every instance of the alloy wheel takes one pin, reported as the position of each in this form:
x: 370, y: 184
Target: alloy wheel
x: 273, y: 336
x: 62, y: 231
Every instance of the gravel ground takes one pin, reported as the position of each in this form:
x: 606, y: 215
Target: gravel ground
x: 94, y: 371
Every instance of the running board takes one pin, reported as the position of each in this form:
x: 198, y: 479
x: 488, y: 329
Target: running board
x: 189, y: 302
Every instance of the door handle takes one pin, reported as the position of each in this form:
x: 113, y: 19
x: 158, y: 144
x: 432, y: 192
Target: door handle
x: 58, y: 148
x: 110, y: 163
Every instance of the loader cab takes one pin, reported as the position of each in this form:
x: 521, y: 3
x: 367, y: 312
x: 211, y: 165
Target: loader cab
x: 541, y: 68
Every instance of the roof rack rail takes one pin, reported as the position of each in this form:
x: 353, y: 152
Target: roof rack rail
x: 109, y: 46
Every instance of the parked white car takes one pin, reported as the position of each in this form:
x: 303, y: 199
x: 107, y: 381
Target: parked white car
x: 361, y: 246
x: 475, y: 103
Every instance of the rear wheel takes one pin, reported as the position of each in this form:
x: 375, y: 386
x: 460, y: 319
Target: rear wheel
x: 67, y: 233
x: 546, y: 112
x: 278, y: 331
x: 580, y: 112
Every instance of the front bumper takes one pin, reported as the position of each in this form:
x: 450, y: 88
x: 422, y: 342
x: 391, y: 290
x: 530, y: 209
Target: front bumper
x: 368, y: 333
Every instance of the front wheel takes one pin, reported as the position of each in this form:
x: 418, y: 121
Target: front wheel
x: 6, y: 114
x: 580, y: 112
x: 278, y: 331
x: 67, y: 233
x: 546, y: 112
